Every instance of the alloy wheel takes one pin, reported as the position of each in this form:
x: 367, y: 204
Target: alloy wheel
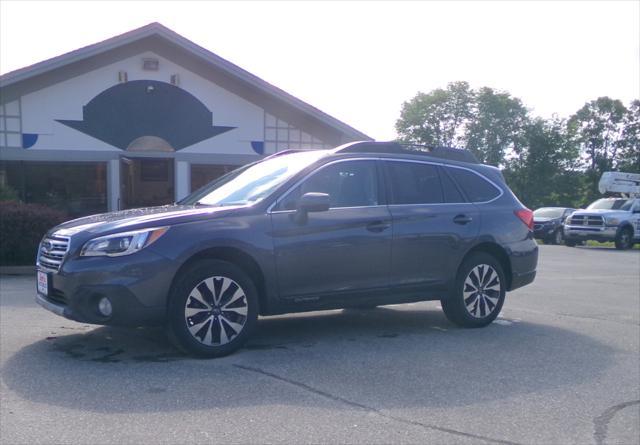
x: 216, y: 311
x: 481, y: 292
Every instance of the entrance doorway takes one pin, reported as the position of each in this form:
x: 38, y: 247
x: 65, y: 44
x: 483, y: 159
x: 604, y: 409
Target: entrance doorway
x: 146, y: 182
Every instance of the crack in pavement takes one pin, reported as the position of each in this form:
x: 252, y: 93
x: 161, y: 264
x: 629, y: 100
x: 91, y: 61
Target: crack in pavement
x: 369, y: 408
x: 601, y: 423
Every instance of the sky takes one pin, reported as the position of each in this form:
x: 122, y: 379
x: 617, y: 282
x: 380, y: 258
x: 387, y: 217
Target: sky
x: 359, y: 61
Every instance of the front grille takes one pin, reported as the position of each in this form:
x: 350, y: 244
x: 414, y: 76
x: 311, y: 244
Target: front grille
x: 587, y: 220
x: 57, y: 296
x: 52, y: 252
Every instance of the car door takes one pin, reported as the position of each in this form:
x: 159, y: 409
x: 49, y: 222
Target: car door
x: 432, y: 224
x: 339, y: 251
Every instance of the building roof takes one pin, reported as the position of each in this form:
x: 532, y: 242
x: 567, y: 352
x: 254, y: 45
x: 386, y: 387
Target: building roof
x: 167, y: 36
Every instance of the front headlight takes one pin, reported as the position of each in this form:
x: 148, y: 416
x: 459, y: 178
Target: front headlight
x: 611, y: 221
x: 125, y: 243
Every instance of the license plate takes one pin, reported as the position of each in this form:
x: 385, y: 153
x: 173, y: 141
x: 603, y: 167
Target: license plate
x: 43, y: 283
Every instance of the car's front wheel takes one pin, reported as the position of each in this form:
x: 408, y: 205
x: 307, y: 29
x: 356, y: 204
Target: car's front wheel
x: 212, y: 309
x: 558, y: 237
x: 478, y: 293
x: 624, y: 239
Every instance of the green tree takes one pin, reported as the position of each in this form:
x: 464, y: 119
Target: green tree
x: 597, y: 129
x: 485, y: 121
x: 541, y: 174
x: 546, y: 162
x: 437, y: 118
x: 630, y: 150
x: 497, y: 126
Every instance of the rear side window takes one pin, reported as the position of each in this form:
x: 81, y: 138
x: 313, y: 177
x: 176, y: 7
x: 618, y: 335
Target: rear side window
x: 450, y: 190
x: 474, y: 186
x: 414, y: 183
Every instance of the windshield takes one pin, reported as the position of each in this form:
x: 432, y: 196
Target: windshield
x: 548, y: 212
x: 611, y: 204
x: 253, y: 182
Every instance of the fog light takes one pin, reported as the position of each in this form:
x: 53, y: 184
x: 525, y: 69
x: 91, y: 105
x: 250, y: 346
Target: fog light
x: 104, y: 306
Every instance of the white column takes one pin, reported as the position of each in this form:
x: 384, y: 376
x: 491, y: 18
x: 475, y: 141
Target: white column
x: 183, y: 179
x: 113, y: 184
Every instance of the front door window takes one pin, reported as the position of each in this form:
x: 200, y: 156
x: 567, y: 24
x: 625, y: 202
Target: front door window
x: 348, y: 184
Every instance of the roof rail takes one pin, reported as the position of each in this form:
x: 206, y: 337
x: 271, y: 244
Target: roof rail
x: 453, y: 154
x: 283, y: 152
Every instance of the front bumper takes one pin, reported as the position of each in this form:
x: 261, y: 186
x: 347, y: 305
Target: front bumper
x: 57, y: 309
x: 136, y: 286
x: 602, y: 233
x: 544, y: 231
x: 82, y: 306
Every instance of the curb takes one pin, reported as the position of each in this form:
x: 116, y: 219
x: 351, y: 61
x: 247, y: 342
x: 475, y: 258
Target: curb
x: 17, y: 270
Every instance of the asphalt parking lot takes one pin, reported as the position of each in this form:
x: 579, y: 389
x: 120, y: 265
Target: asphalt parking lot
x: 561, y: 365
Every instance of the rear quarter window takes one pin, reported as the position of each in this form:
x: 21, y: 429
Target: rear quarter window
x: 474, y: 186
x: 414, y: 183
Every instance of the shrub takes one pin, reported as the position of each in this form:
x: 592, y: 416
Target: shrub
x: 22, y: 226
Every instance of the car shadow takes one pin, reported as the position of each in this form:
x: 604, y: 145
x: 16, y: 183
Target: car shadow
x: 390, y: 357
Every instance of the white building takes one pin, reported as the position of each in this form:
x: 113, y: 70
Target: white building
x: 142, y: 119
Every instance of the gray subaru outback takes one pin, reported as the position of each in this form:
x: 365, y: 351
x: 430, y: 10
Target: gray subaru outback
x: 364, y: 224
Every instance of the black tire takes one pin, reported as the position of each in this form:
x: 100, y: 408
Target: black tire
x: 480, y: 308
x: 216, y: 315
x: 558, y: 237
x: 624, y: 239
x: 570, y: 243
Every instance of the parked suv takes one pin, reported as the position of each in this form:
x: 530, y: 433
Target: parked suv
x: 364, y: 224
x: 547, y: 223
x: 607, y: 219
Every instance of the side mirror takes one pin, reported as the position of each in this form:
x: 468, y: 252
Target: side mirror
x: 311, y: 202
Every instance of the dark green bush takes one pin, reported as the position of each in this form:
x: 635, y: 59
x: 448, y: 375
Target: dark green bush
x: 22, y: 226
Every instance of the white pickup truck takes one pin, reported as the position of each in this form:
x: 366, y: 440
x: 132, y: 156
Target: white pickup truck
x: 609, y: 219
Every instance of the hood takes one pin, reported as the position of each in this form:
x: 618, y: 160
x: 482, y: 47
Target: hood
x: 132, y: 219
x: 602, y: 212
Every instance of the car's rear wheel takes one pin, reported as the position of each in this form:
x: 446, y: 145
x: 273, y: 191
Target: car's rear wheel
x: 478, y: 293
x: 570, y: 243
x: 624, y: 239
x: 212, y: 309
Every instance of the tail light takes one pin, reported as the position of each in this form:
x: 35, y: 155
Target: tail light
x: 526, y: 216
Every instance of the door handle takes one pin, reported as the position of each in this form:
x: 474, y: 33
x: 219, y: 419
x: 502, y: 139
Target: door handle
x: 378, y: 226
x: 462, y: 219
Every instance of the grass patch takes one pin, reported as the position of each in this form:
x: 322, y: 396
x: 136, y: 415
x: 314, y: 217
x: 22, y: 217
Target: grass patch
x: 592, y: 243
